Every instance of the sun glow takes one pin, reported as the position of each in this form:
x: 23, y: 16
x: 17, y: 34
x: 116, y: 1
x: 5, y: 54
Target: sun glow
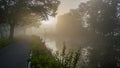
x: 50, y: 21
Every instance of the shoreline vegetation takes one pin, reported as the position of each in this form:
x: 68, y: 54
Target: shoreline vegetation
x: 43, y: 58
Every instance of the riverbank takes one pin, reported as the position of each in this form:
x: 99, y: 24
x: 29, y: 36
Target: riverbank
x: 42, y: 57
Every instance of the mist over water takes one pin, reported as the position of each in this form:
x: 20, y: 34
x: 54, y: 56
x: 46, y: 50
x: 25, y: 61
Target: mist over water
x: 95, y: 40
x: 57, y: 43
x: 50, y: 44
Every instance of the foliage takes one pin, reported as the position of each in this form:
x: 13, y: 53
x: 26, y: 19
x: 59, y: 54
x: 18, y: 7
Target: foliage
x: 103, y: 22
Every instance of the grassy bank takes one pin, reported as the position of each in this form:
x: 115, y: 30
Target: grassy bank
x: 5, y: 42
x: 42, y: 57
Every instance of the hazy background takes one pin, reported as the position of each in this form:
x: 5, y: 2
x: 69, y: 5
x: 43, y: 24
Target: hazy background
x: 50, y: 32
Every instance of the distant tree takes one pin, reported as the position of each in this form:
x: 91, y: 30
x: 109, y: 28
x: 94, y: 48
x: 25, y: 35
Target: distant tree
x: 72, y: 24
x: 16, y: 10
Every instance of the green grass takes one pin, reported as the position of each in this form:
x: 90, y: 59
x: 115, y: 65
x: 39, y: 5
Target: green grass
x: 70, y: 59
x: 5, y: 42
x: 42, y: 57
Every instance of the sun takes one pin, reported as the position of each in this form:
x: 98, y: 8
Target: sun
x: 50, y: 21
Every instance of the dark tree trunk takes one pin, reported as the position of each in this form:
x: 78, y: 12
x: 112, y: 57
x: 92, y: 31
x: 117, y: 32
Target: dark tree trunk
x: 12, y: 26
x: 0, y: 35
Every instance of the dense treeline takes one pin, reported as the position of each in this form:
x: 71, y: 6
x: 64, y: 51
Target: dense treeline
x: 96, y: 25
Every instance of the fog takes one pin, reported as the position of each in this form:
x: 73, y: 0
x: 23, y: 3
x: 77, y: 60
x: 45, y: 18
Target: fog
x: 93, y: 26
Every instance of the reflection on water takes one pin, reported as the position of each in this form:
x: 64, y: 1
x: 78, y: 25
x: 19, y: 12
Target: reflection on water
x: 56, y: 45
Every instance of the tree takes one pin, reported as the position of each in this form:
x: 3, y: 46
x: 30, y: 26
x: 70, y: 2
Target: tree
x: 103, y: 21
x: 72, y: 24
x: 16, y: 10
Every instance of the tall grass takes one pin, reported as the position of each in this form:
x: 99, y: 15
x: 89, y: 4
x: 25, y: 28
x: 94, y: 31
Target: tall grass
x: 70, y: 59
x: 42, y: 57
